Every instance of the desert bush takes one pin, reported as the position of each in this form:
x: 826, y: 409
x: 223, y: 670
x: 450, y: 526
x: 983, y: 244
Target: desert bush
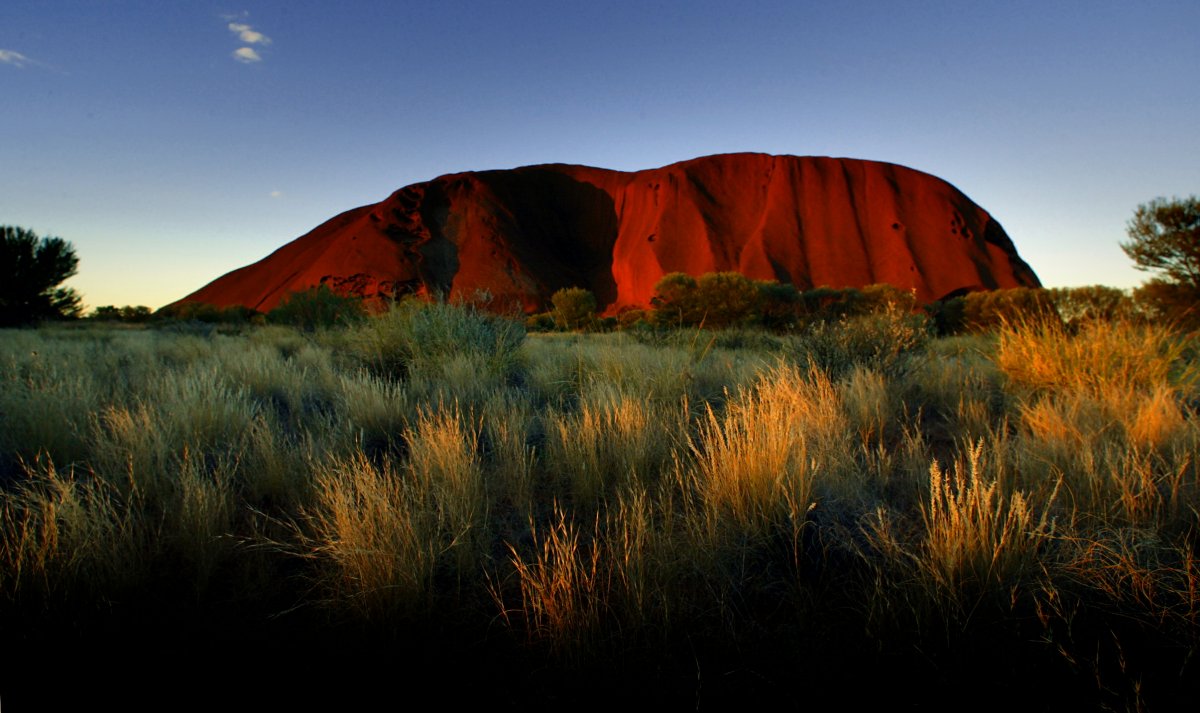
x: 882, y: 298
x: 880, y: 341
x: 416, y: 338
x: 540, y: 322
x: 1078, y: 305
x: 824, y: 304
x: 316, y: 307
x: 947, y: 316
x: 203, y: 312
x: 778, y: 305
x: 632, y: 318
x: 988, y: 309
x: 128, y: 313
x: 675, y: 303
x: 1169, y: 303
x: 725, y: 299
x: 574, y: 308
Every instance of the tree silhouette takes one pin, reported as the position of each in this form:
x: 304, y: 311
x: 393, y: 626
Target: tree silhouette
x: 31, y: 272
x: 1164, y: 237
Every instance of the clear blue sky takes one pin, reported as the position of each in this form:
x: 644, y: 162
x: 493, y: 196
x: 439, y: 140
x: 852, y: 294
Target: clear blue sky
x: 171, y: 142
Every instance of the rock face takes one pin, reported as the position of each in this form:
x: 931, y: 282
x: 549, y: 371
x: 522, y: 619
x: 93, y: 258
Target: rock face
x: 523, y: 233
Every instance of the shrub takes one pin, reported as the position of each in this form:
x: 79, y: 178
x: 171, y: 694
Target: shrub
x: 317, y: 306
x: 778, y: 305
x: 824, y: 304
x: 725, y: 298
x: 675, y: 301
x: 140, y: 313
x: 540, y: 322
x: 883, y: 297
x: 876, y: 341
x: 205, y: 312
x: 1168, y: 302
x: 631, y: 317
x: 107, y: 313
x: 32, y: 269
x: 415, y: 337
x: 1078, y: 305
x: 987, y: 310
x: 574, y: 308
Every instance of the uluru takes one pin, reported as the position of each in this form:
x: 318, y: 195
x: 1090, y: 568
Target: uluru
x: 523, y: 233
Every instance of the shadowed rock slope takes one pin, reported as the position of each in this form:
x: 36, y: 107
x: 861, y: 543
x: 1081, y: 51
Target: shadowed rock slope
x: 523, y: 233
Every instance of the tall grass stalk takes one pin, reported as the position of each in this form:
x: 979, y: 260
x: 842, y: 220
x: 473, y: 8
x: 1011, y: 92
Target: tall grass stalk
x: 445, y: 468
x: 374, y: 539
x: 977, y: 536
x: 563, y: 589
x: 760, y: 460
x: 66, y: 536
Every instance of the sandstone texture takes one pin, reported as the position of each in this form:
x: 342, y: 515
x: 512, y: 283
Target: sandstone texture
x: 523, y: 233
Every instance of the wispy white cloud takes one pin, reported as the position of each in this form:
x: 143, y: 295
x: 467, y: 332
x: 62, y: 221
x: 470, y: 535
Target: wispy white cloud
x: 16, y: 59
x: 246, y: 55
x: 251, y: 38
x: 277, y: 194
x: 248, y: 34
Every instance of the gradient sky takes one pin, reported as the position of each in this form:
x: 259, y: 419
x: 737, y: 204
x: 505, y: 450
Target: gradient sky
x: 172, y: 142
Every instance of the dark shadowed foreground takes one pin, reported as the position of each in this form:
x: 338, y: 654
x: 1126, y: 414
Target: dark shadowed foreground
x: 432, y: 504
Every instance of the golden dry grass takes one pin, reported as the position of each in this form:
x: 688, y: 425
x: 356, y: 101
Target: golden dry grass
x: 587, y: 493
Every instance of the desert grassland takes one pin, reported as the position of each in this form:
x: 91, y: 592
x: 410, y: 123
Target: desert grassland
x: 860, y: 510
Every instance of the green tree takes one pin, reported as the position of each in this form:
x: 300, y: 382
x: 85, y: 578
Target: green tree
x: 107, y: 313
x: 128, y: 313
x: 574, y: 308
x: 31, y: 272
x: 1164, y: 237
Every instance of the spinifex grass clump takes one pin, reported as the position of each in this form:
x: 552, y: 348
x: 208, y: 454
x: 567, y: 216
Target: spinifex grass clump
x: 880, y: 341
x: 1106, y: 410
x: 757, y: 464
x: 380, y: 534
x: 610, y: 439
x: 977, y: 535
x: 65, y: 537
x: 422, y: 339
x: 1103, y: 358
x: 374, y: 537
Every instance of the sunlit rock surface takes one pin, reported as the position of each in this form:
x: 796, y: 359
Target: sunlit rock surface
x: 521, y: 234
